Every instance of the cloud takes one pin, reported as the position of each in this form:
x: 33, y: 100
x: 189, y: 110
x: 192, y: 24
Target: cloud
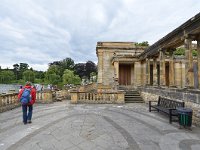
x: 42, y: 31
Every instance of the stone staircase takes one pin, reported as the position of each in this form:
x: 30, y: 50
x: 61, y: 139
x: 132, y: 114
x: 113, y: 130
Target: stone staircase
x: 133, y: 96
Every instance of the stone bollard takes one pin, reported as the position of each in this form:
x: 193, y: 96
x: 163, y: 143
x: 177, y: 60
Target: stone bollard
x: 74, y: 97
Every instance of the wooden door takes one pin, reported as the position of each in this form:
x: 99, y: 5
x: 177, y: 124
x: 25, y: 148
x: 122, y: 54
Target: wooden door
x: 124, y: 74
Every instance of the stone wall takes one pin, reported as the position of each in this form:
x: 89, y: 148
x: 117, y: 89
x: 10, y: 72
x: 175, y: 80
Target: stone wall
x: 190, y: 97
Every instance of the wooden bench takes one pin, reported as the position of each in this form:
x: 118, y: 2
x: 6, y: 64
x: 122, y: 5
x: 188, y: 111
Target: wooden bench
x: 166, y: 106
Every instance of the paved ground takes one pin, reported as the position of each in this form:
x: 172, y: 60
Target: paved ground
x: 62, y: 126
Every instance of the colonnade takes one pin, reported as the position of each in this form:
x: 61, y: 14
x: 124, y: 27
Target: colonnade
x: 184, y: 71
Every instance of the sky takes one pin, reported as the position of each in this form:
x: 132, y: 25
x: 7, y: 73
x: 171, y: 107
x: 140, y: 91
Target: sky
x: 38, y: 32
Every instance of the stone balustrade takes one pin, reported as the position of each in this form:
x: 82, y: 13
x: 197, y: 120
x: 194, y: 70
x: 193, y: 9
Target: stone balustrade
x: 10, y: 101
x: 106, y: 97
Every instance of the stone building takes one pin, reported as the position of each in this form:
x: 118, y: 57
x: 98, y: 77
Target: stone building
x: 155, y: 71
x: 118, y: 64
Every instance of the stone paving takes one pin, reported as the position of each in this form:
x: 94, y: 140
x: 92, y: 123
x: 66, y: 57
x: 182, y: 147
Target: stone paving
x: 63, y: 126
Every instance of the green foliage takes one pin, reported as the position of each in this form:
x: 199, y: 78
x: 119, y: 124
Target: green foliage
x: 38, y: 81
x: 144, y: 43
x: 52, y: 75
x: 6, y: 76
x: 194, y: 52
x: 70, y: 78
x: 53, y: 78
x: 29, y: 75
x: 179, y: 51
x: 93, y: 76
x: 22, y: 67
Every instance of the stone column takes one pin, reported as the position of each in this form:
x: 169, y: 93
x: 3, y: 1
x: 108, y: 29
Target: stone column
x: 198, y: 58
x: 1, y: 101
x: 138, y: 73
x: 147, y: 71
x: 100, y: 68
x: 143, y: 73
x: 155, y: 78
x: 171, y: 68
x: 189, y: 74
x: 162, y: 68
x: 116, y: 66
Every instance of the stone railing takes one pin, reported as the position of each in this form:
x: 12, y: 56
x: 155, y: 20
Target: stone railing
x: 106, y: 97
x: 8, y: 101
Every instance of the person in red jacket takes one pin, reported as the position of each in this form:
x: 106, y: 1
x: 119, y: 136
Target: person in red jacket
x: 28, y: 108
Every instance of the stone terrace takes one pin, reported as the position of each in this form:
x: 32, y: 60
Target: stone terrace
x: 65, y: 126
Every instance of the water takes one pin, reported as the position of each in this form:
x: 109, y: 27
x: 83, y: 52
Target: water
x: 5, y: 88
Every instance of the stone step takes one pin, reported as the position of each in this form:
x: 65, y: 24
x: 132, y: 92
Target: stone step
x: 134, y: 101
x: 133, y: 96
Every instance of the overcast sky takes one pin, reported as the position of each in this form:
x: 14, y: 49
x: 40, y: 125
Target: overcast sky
x: 38, y: 32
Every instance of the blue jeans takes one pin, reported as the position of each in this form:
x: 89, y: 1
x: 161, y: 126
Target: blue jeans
x: 27, y: 116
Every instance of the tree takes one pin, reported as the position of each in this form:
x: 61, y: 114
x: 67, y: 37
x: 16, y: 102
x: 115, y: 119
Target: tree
x: 29, y: 75
x: 80, y: 70
x: 144, y: 43
x: 39, y: 74
x: 52, y: 75
x: 16, y: 70
x: 53, y: 78
x: 6, y: 76
x: 22, y: 67
x: 70, y: 78
x: 90, y: 67
x: 67, y: 63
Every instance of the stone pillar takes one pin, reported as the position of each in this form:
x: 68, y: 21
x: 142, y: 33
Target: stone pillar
x: 138, y: 73
x: 100, y: 68
x: 178, y: 74
x: 162, y: 68
x: 183, y: 74
x: 74, y: 97
x: 198, y: 58
x: 120, y: 97
x: 116, y: 66
x: 189, y: 74
x: 171, y: 68
x: 1, y: 101
x: 155, y: 78
x: 143, y: 73
x: 147, y: 71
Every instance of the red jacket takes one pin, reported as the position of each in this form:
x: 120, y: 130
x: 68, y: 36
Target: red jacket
x: 33, y: 94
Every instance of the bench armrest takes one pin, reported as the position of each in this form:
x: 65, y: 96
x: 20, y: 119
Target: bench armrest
x: 150, y: 105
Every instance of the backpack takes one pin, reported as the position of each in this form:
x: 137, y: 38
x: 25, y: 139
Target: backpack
x: 26, y: 96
